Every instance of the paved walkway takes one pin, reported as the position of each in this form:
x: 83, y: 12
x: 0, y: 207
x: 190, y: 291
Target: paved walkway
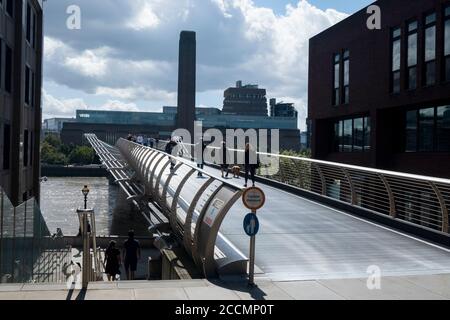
x: 433, y: 287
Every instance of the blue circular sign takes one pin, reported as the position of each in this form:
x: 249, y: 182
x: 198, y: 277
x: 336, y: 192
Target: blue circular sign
x: 251, y: 224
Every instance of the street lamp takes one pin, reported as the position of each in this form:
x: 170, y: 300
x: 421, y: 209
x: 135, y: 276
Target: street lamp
x: 85, y: 192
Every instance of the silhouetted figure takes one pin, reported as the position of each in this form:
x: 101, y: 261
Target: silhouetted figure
x: 251, y: 164
x: 224, y: 156
x: 131, y: 254
x: 112, y: 261
x: 200, y: 158
x: 169, y: 149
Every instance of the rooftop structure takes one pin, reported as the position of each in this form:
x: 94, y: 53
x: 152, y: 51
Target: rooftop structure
x: 248, y: 100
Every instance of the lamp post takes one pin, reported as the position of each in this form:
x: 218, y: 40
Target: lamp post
x: 85, y: 192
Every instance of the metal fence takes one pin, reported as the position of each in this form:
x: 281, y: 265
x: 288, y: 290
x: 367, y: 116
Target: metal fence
x: 28, y: 253
x: 420, y: 200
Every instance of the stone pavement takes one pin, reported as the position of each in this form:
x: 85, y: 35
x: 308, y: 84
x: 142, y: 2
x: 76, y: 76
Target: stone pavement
x: 429, y: 287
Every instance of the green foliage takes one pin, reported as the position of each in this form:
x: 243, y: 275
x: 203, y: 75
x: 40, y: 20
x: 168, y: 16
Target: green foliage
x: 53, y: 140
x: 50, y: 155
x: 306, y: 153
x: 82, y: 155
x: 54, y: 152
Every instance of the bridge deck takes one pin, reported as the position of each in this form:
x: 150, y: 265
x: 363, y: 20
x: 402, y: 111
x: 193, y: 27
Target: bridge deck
x: 300, y: 239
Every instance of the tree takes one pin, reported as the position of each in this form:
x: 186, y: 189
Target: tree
x: 50, y: 155
x: 54, y: 141
x: 82, y: 155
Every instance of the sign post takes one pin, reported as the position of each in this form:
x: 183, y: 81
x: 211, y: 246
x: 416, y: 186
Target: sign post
x: 253, y: 199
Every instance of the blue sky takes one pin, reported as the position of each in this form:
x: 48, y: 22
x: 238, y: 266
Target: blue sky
x: 125, y: 56
x: 347, y: 6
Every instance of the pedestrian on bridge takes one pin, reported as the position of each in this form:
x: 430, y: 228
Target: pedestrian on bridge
x: 112, y: 261
x: 224, y: 158
x: 169, y: 150
x: 131, y: 254
x: 251, y: 163
x: 201, y: 158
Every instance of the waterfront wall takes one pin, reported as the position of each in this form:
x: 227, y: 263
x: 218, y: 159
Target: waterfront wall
x: 63, y: 171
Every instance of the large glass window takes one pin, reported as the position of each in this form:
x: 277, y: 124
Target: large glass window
x: 28, y: 23
x: 352, y: 135
x: 412, y: 55
x: 358, y: 134
x: 396, y: 58
x: 346, y: 76
x: 337, y: 79
x: 428, y: 130
x: 10, y: 8
x: 447, y: 43
x: 337, y: 136
x: 6, y: 146
x: 27, y: 85
x: 8, y: 69
x: 411, y: 131
x: 443, y: 128
x: 366, y: 133
x: 1, y: 62
x: 348, y: 135
x: 25, y: 148
x: 430, y: 49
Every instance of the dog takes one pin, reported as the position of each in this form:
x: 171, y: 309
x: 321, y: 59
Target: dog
x: 236, y: 170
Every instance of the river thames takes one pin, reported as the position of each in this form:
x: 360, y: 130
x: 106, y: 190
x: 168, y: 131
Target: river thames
x: 60, y: 198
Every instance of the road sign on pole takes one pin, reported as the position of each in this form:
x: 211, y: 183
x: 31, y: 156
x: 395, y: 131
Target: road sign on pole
x: 254, y: 198
x: 251, y: 228
x: 251, y: 224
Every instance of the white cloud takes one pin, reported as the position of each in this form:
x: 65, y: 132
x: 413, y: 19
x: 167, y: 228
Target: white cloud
x: 90, y: 63
x: 117, y: 105
x: 54, y: 107
x: 145, y: 16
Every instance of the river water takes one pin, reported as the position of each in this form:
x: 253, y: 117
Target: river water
x: 60, y: 198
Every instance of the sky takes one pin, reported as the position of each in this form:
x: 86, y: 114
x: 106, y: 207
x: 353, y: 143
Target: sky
x: 125, y: 55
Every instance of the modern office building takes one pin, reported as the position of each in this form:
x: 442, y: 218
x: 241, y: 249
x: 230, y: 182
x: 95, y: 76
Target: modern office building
x: 282, y: 109
x: 381, y: 98
x: 112, y: 125
x: 54, y: 125
x: 246, y: 100
x: 20, y: 97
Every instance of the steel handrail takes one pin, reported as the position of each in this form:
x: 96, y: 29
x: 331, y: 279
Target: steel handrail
x: 418, y: 199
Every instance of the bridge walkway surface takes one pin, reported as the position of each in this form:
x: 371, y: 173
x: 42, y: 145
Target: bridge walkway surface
x: 301, y: 240
x: 424, y: 287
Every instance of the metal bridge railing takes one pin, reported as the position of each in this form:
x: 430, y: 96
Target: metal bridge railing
x: 194, y: 207
x: 420, y: 200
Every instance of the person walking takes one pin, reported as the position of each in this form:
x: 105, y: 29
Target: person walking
x: 169, y: 150
x: 201, y: 158
x: 112, y: 261
x: 131, y: 254
x: 224, y: 156
x: 251, y: 164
